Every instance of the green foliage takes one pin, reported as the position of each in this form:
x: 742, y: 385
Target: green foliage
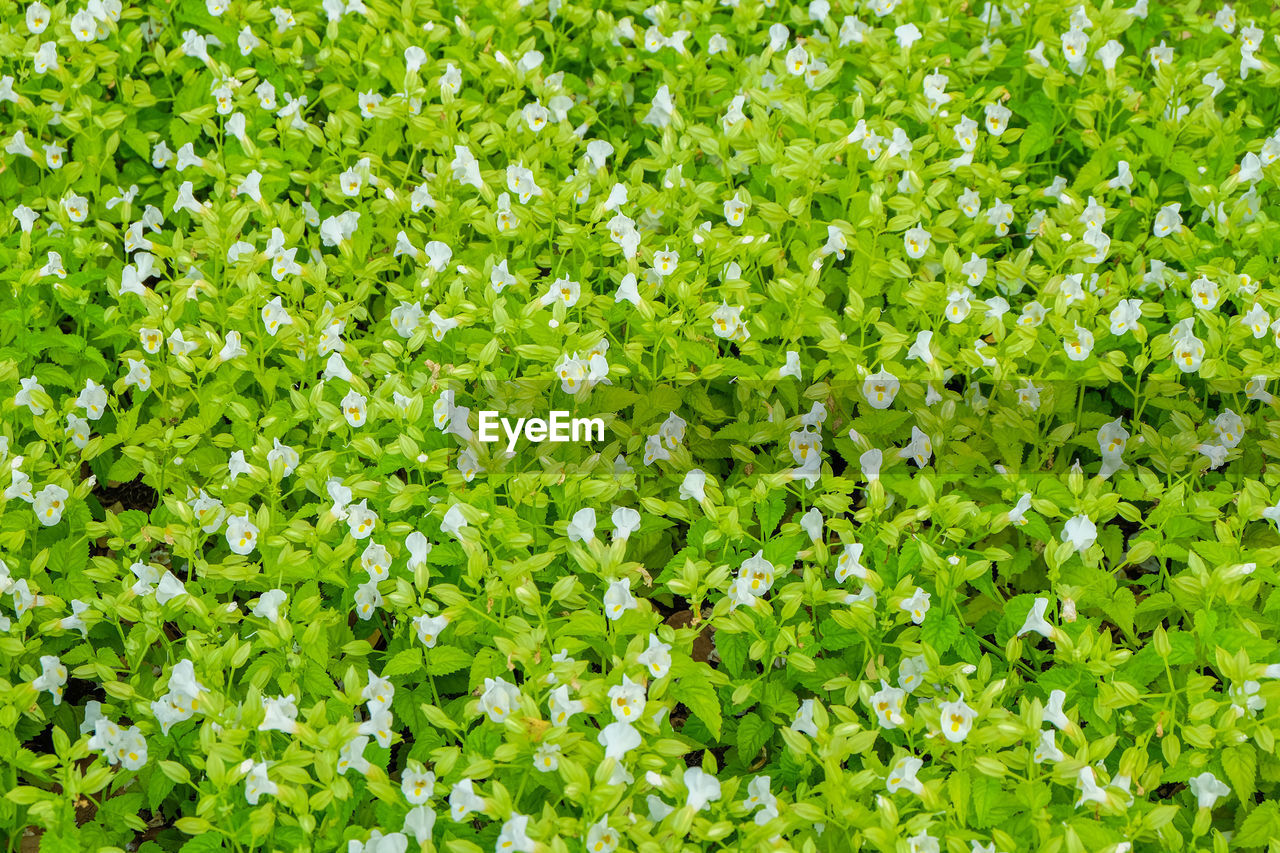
x: 937, y: 502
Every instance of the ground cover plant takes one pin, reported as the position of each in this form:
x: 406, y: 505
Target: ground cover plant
x: 937, y: 501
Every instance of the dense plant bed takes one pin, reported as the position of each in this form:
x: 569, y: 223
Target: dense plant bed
x: 935, y: 495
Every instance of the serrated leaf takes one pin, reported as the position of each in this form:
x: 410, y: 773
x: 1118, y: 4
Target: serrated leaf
x: 701, y: 699
x: 403, y: 663
x: 1241, y: 766
x: 769, y: 512
x: 753, y: 734
x: 208, y: 842
x: 1260, y: 826
x: 445, y: 660
x: 940, y: 631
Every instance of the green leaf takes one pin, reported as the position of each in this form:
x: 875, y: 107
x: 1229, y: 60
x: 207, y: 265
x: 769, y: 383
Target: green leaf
x: 1261, y: 825
x: 940, y: 631
x: 769, y: 511
x: 403, y: 663
x: 158, y: 788
x: 1038, y: 138
x: 1121, y: 609
x: 958, y: 788
x: 753, y: 734
x: 59, y: 841
x: 701, y: 699
x: 209, y: 842
x: 733, y: 651
x: 1241, y: 766
x: 445, y: 660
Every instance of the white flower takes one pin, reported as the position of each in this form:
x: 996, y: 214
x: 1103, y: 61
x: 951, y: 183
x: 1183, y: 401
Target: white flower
x: 469, y: 465
x: 656, y: 658
x: 797, y: 61
x: 879, y: 389
x: 169, y: 588
x: 618, y: 598
x: 812, y: 523
x: 1229, y: 427
x: 916, y: 242
x: 417, y: 784
x: 45, y: 59
x: 1079, y: 345
x: 1245, y: 698
x: 1090, y: 791
x: 49, y: 503
x: 803, y: 722
x: 1047, y: 749
x: 1125, y: 316
x: 418, y: 547
x: 922, y: 842
x: 406, y: 318
x: 1168, y: 220
x: 93, y: 399
x: 1123, y: 178
x: 274, y: 316
x: 562, y: 707
x: 247, y: 42
x: 236, y: 465
x: 269, y: 604
x: 582, y: 527
x: 463, y: 800
x: 618, y: 738
x: 662, y: 108
x: 1035, y: 620
x: 287, y: 455
x: 232, y: 348
x: 23, y: 397
x: 355, y: 408
x: 37, y: 18
x: 414, y: 57
x: 280, y: 714
x: 903, y: 775
x: 601, y: 838
x: 465, y: 167
x: 514, y: 836
x: 889, y: 704
x: 627, y: 700
x: 920, y: 349
x: 956, y: 719
x: 52, y: 677
x: 1081, y: 532
x: 242, y: 534
x: 920, y: 449
x: 703, y: 788
x: 907, y: 35
x: 546, y: 758
x: 429, y: 628
x: 625, y: 522
x: 1053, y: 710
x: 910, y: 673
x: 500, y: 699
x: 256, y: 782
x: 453, y: 522
x: 1207, y: 789
x: 917, y: 605
x: 870, y: 462
x: 420, y: 821
x: 694, y: 486
x: 727, y: 322
x: 850, y: 563
x: 958, y: 305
